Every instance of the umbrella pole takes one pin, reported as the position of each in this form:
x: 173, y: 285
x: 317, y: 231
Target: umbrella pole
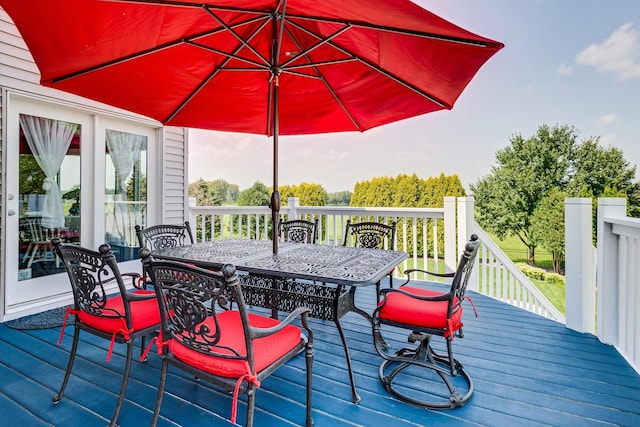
x: 275, y: 196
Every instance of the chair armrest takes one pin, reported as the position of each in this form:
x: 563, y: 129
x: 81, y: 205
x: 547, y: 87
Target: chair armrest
x: 431, y: 273
x: 442, y: 297
x: 134, y: 278
x: 302, y: 312
x: 133, y: 296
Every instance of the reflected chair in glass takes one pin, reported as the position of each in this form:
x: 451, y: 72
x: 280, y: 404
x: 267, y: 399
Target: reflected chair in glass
x: 230, y: 348
x: 299, y: 231
x: 38, y: 238
x: 371, y: 235
x: 426, y: 310
x: 103, y: 306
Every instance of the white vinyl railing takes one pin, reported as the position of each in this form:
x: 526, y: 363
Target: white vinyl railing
x: 500, y: 278
x: 603, y: 292
x: 618, y: 279
x: 443, y: 231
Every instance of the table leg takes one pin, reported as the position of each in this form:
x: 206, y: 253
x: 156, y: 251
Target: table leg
x: 354, y: 394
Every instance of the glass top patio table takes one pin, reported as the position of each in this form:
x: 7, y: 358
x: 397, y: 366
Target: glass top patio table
x: 326, y: 263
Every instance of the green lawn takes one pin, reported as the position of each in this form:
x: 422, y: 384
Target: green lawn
x: 518, y: 252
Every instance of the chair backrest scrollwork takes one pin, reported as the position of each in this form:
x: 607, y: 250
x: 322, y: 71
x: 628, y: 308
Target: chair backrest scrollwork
x: 371, y: 235
x: 164, y: 236
x: 299, y: 231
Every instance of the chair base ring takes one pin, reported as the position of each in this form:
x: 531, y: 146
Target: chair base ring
x: 389, y: 370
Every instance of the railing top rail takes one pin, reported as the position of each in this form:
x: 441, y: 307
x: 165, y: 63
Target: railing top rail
x: 233, y: 209
x: 357, y: 210
x: 327, y: 210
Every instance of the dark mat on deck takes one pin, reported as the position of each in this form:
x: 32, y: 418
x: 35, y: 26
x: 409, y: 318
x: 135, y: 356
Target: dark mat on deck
x: 47, y: 319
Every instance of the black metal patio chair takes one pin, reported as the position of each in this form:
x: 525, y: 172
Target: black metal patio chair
x: 231, y: 348
x: 299, y: 231
x: 426, y: 311
x: 103, y: 306
x: 164, y: 236
x: 371, y: 235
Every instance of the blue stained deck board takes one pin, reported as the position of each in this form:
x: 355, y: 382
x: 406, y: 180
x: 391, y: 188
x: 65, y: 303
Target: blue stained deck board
x: 528, y: 371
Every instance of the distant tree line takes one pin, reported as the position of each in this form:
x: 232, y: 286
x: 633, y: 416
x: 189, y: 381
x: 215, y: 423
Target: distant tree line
x: 410, y: 191
x: 524, y: 194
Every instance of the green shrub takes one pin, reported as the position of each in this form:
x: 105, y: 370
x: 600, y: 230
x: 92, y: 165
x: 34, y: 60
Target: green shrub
x: 540, y: 274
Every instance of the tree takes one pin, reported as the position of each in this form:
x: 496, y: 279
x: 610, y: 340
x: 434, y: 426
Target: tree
x: 256, y: 195
x: 525, y: 171
x: 204, y: 194
x: 339, y: 198
x: 409, y: 191
x: 596, y: 168
x: 528, y: 170
x: 547, y: 225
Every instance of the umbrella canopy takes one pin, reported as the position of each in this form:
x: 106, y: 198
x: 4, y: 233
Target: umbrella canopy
x: 272, y: 67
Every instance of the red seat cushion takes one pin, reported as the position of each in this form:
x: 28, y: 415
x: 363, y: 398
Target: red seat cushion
x: 144, y: 314
x: 266, y: 350
x: 428, y: 314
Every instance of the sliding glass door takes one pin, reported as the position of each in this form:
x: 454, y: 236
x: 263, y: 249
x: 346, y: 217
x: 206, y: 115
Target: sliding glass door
x: 70, y: 174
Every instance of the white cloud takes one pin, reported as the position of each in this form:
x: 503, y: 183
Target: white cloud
x: 619, y: 54
x: 564, y: 70
x: 607, y: 119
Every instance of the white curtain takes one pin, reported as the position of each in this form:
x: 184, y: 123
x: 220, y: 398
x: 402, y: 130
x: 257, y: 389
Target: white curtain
x: 49, y: 141
x: 124, y: 150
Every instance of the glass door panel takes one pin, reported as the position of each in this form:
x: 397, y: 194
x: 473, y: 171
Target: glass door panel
x: 48, y: 192
x: 125, y: 191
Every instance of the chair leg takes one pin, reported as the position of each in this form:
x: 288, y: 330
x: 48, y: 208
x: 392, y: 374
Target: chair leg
x: 67, y: 374
x: 160, y: 395
x: 309, y: 360
x: 251, y: 404
x: 125, y: 381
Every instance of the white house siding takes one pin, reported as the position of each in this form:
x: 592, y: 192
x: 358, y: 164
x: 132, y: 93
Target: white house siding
x: 18, y: 73
x: 175, y: 175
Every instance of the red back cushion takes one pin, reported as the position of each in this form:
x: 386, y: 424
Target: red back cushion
x: 265, y: 350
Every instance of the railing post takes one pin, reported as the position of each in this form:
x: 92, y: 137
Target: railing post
x: 450, y: 252
x: 607, y: 272
x: 580, y: 265
x: 293, y: 203
x: 192, y: 216
x: 466, y: 221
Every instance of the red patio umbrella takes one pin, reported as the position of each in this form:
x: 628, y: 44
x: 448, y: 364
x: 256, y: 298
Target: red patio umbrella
x: 272, y: 67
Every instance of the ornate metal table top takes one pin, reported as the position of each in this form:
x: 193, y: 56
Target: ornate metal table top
x: 325, y: 263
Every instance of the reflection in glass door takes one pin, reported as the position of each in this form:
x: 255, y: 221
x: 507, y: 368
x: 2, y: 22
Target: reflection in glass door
x: 49, y: 192
x: 125, y: 191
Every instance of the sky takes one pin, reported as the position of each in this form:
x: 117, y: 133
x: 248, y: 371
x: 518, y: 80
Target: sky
x: 565, y: 62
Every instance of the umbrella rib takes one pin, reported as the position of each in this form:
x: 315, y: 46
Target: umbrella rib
x: 242, y: 41
x: 214, y: 73
x: 129, y: 57
x: 321, y: 41
x: 324, y: 81
x: 194, y: 5
x: 319, y: 63
x: 380, y: 70
x: 403, y: 31
x: 149, y: 51
x: 258, y: 65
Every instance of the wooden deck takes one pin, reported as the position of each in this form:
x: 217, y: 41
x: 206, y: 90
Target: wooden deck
x: 528, y: 371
